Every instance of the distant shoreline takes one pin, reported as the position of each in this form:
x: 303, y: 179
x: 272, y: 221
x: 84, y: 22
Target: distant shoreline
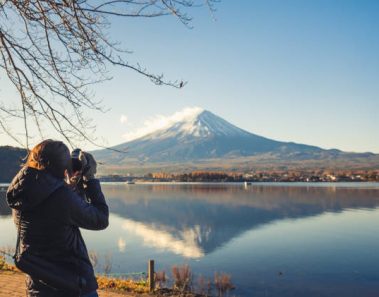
x: 375, y: 184
x: 255, y: 184
x: 5, y: 185
x: 289, y: 176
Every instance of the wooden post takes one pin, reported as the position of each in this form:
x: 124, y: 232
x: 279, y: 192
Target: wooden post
x: 151, y: 275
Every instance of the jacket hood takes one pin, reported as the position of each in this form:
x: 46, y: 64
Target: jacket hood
x: 30, y: 187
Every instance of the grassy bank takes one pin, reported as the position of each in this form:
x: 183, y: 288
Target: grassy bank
x: 105, y: 283
x: 181, y: 282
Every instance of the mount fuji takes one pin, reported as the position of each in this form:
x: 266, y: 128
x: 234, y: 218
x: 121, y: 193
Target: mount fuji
x: 199, y: 136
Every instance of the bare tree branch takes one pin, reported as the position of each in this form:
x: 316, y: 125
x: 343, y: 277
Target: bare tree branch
x: 53, y: 51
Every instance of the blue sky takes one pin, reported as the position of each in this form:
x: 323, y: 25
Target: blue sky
x: 302, y: 71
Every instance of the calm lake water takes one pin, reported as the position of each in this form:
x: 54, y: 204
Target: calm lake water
x: 274, y: 239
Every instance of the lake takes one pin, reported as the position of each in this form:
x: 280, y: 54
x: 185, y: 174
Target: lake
x: 293, y: 239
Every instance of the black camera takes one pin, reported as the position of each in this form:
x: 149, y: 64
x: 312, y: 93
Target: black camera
x: 76, y: 164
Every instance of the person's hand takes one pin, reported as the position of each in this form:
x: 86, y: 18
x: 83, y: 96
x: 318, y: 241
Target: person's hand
x: 89, y: 165
x: 73, y: 179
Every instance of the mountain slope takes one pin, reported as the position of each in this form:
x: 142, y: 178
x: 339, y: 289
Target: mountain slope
x: 10, y: 162
x: 201, y: 136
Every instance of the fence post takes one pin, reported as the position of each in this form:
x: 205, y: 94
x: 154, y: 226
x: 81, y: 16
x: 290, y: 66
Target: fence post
x: 151, y: 275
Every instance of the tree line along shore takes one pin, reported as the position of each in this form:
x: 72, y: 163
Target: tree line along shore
x: 258, y: 176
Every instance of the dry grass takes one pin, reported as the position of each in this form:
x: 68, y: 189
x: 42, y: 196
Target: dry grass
x: 5, y: 266
x: 182, y: 277
x: 204, y: 286
x: 122, y: 285
x: 107, y: 265
x: 160, y: 278
x: 223, y: 283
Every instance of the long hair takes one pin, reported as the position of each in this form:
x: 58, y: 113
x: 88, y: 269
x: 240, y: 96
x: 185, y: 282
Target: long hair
x: 52, y: 156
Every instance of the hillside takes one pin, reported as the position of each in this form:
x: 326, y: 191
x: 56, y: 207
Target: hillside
x: 10, y: 162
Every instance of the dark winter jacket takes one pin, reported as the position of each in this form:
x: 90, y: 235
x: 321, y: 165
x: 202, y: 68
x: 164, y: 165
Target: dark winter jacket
x: 51, y: 216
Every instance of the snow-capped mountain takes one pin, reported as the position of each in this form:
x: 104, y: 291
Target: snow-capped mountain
x: 198, y: 135
x: 198, y: 123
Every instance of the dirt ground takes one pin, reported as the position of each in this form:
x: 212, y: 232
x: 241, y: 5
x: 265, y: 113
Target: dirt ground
x: 12, y: 284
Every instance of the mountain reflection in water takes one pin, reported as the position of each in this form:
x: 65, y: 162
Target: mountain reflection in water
x: 194, y: 220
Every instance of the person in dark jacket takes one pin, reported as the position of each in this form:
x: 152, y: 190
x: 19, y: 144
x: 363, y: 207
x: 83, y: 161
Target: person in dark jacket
x: 52, y: 213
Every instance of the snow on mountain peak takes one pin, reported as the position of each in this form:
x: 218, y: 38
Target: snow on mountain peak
x: 196, y: 122
x: 182, y: 123
x: 159, y: 122
x: 191, y: 121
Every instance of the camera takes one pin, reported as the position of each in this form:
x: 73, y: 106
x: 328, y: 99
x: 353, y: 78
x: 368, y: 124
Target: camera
x: 77, y: 163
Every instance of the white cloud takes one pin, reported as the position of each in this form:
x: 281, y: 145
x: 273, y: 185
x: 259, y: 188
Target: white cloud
x: 160, y: 121
x: 123, y: 119
x: 185, y: 243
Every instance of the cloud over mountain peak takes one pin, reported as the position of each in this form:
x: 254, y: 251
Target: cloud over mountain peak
x: 159, y: 121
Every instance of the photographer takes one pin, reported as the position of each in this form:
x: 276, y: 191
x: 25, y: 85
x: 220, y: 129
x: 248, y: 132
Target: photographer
x: 49, y: 213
